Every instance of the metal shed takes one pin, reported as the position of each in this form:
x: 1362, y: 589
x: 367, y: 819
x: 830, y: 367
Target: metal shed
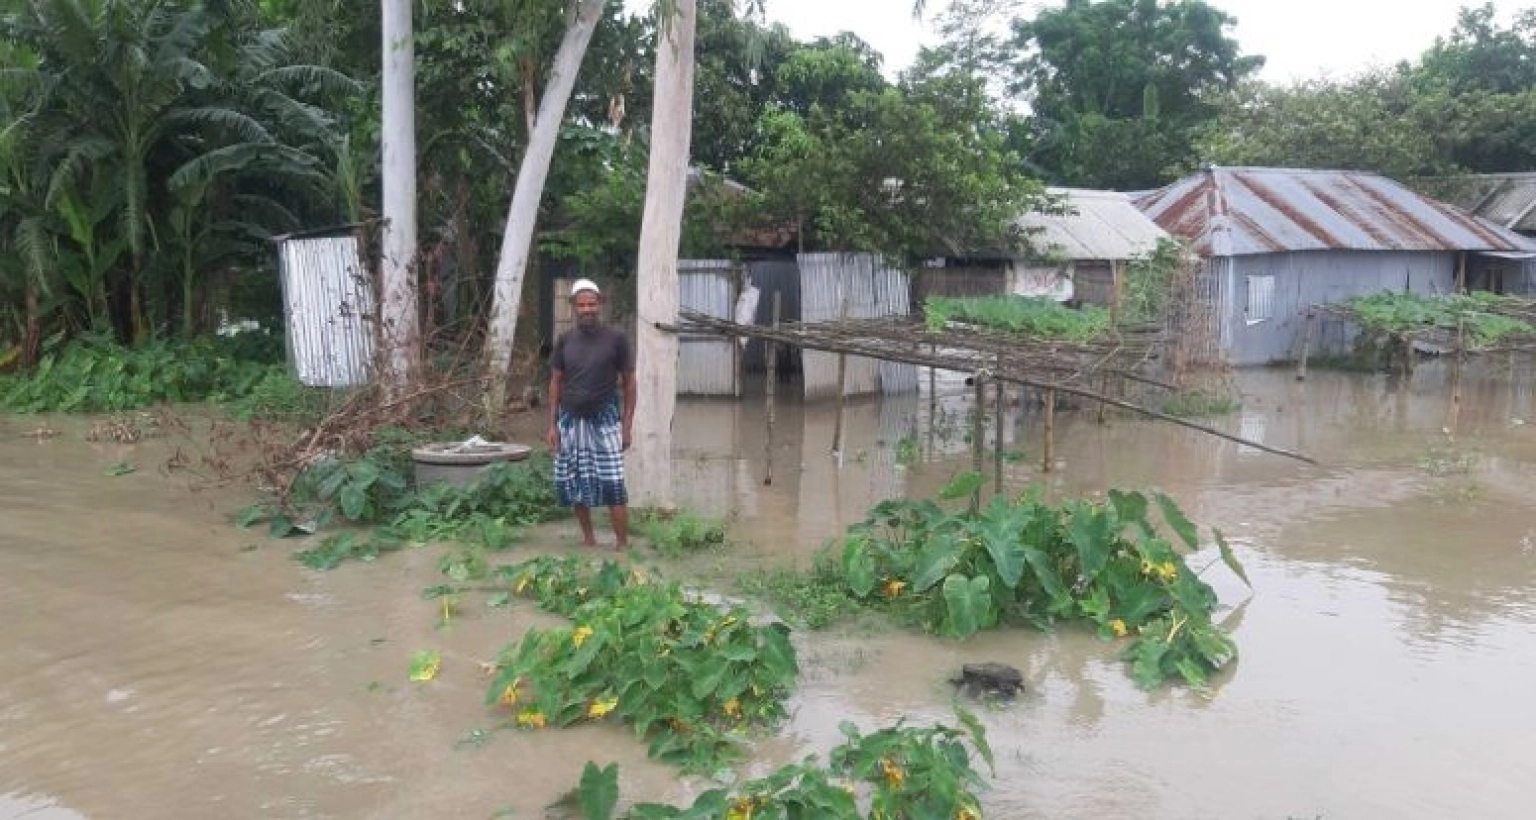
x: 1276, y: 241
x: 328, y: 308
x: 1081, y: 253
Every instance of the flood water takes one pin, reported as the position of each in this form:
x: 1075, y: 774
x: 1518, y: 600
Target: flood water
x: 156, y: 662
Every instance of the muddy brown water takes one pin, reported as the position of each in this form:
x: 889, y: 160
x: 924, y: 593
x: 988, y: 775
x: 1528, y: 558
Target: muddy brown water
x: 156, y: 662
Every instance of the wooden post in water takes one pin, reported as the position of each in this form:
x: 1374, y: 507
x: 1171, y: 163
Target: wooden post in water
x: 842, y: 379
x: 1048, y: 461
x: 1461, y: 346
x: 978, y: 429
x: 997, y: 434
x: 1306, y: 346
x: 933, y: 398
x: 771, y: 386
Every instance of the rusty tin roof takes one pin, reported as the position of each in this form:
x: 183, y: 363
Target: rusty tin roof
x: 1240, y: 211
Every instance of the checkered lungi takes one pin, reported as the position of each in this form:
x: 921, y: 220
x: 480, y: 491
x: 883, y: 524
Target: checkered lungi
x: 589, y: 469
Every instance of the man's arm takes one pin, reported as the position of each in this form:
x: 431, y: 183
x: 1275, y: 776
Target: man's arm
x: 627, y: 379
x: 556, y: 385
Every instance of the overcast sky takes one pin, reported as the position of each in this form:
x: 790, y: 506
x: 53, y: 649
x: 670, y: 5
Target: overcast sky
x: 1302, y: 39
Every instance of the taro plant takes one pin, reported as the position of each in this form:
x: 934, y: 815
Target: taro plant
x: 1108, y: 563
x: 92, y: 374
x: 693, y: 678
x: 1035, y: 318
x: 894, y: 773
x: 681, y: 532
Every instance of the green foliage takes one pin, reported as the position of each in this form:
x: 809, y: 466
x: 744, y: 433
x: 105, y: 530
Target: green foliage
x: 94, y: 375
x: 280, y: 397
x: 813, y: 599
x: 1035, y: 318
x: 1476, y: 312
x: 1192, y: 403
x: 691, y: 677
x: 679, y: 533
x: 376, y: 490
x: 899, y: 772
x: 1105, y: 563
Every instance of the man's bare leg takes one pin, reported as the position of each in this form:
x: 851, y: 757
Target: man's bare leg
x: 584, y: 518
x: 620, y: 518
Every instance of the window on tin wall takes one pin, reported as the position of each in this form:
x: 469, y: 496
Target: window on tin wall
x: 1261, y: 299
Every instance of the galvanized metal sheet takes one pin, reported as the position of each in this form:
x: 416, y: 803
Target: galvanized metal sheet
x: 1240, y: 211
x: 328, y: 308
x: 706, y: 364
x: 855, y: 286
x: 1097, y: 225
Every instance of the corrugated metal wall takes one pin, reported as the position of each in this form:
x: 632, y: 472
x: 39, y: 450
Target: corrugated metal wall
x: 707, y: 365
x: 328, y: 308
x: 869, y: 289
x: 1304, y: 279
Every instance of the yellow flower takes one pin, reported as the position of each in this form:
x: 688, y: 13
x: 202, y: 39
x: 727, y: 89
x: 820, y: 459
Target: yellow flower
x: 741, y: 809
x: 580, y: 635
x: 601, y: 707
x: 509, y: 694
x: 522, y: 584
x: 893, y: 773
x: 1118, y: 627
x: 732, y: 708
x: 894, y: 586
x: 1147, y: 567
x: 531, y: 717
x: 1168, y: 570
x: 967, y: 813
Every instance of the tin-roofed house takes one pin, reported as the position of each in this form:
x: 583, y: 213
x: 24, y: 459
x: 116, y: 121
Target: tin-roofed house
x: 1504, y: 199
x: 1277, y: 241
x: 1079, y: 251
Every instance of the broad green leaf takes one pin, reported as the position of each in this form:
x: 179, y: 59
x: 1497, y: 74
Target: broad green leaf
x: 599, y: 791
x: 1045, y: 573
x: 1230, y: 559
x: 425, y: 664
x: 250, y: 515
x: 968, y: 604
x: 1092, y: 534
x: 859, y: 566
x: 708, y: 679
x: 938, y: 557
x: 1180, y: 523
x: 963, y: 486
x: 978, y: 735
x: 353, y: 502
x: 1000, y: 528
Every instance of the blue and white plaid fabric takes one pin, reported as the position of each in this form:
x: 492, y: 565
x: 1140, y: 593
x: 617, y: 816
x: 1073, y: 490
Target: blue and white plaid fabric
x: 589, y: 469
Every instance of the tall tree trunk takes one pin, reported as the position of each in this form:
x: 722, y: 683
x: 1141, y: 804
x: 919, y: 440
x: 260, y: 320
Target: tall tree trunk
x: 517, y: 241
x: 32, y: 340
x: 399, y: 333
x: 660, y: 233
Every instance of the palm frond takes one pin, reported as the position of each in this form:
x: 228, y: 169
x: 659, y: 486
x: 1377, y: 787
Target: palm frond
x: 79, y: 155
x: 243, y: 125
x: 321, y: 79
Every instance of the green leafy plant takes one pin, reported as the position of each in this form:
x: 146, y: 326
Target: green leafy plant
x: 680, y: 532
x: 814, y: 598
x: 1036, y: 318
x: 1192, y: 403
x: 898, y: 772
x: 691, y: 677
x: 94, y: 375
x: 957, y: 573
x: 1483, y: 316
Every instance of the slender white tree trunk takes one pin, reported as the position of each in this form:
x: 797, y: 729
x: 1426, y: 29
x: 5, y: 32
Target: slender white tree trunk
x: 399, y: 334
x: 517, y: 241
x: 660, y: 232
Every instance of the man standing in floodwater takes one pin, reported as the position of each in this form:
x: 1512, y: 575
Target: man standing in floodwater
x: 591, y: 415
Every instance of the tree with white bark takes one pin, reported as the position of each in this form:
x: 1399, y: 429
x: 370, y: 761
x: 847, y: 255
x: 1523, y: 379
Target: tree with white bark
x: 399, y: 332
x: 522, y: 214
x: 660, y: 233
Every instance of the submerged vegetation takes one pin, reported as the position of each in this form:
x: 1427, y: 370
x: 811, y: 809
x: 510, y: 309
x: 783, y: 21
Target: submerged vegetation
x: 1036, y: 318
x: 1486, y: 318
x: 693, y: 678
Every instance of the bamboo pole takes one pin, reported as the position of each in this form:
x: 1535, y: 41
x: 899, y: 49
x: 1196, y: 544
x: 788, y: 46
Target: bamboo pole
x: 997, y: 437
x: 1049, y: 459
x: 771, y: 388
x: 1306, y: 346
x: 933, y: 400
x: 1456, y: 363
x: 977, y: 430
x: 842, y: 381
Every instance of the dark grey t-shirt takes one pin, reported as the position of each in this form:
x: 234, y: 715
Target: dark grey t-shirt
x: 591, y: 361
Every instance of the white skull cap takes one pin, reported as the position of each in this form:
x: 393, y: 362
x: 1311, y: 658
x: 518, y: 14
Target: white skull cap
x: 584, y: 284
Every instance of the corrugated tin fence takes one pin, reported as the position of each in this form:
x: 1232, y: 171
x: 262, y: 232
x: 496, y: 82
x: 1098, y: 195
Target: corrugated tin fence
x: 861, y: 286
x: 708, y: 365
x: 328, y: 308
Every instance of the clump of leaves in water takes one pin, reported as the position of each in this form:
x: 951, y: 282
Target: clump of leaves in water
x: 1036, y: 318
x: 1107, y: 563
x: 93, y: 374
x: 1481, y: 314
x: 899, y: 772
x: 692, y: 677
x: 680, y: 532
x: 377, y: 491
